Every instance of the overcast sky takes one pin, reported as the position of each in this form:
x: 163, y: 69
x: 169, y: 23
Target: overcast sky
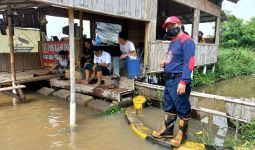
x: 244, y: 9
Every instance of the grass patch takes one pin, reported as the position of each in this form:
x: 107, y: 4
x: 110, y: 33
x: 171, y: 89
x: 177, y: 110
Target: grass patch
x: 247, y: 132
x: 112, y: 110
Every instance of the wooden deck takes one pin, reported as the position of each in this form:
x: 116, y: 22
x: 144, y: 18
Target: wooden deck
x: 24, y: 76
x: 125, y: 91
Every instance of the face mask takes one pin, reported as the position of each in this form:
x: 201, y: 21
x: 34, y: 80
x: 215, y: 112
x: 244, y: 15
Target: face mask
x: 172, y: 32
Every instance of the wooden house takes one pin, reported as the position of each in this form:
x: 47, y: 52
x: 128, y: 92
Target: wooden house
x: 142, y: 19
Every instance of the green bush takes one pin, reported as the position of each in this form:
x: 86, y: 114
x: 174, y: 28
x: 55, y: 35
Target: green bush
x: 247, y: 132
x: 232, y: 62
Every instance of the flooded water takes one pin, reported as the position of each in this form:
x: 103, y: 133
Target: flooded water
x: 43, y: 123
x: 218, y: 132
x: 237, y: 87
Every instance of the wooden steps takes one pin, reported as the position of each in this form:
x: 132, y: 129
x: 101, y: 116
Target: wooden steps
x: 117, y: 94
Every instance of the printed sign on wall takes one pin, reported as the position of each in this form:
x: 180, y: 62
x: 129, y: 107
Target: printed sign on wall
x: 50, y: 51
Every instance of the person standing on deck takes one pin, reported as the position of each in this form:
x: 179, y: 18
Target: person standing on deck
x: 127, y: 49
x: 86, y: 57
x: 178, y: 68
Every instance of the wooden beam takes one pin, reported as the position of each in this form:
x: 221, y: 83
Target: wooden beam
x: 12, y: 95
x: 203, y: 5
x: 210, y: 111
x: 12, y: 88
x: 195, y: 25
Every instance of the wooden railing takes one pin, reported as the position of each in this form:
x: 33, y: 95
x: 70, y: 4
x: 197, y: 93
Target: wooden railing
x: 205, y: 54
x: 237, y: 109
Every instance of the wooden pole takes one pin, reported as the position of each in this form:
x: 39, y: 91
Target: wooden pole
x: 195, y: 25
x: 81, y: 24
x: 146, y: 46
x: 81, y: 38
x: 72, y: 68
x: 92, y: 27
x: 217, y: 31
x: 12, y: 60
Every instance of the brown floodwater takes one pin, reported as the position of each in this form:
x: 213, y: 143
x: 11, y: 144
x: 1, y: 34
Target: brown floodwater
x: 43, y: 123
x: 238, y: 87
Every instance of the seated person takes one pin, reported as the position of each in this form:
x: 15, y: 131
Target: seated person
x: 86, y: 57
x: 127, y: 49
x: 59, y: 67
x: 200, y: 37
x: 101, y: 66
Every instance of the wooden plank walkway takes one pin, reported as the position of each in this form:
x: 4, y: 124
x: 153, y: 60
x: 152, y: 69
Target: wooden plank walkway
x: 117, y: 94
x: 24, y: 76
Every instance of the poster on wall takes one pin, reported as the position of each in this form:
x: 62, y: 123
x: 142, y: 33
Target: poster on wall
x: 22, y: 43
x: 25, y: 40
x: 50, y: 52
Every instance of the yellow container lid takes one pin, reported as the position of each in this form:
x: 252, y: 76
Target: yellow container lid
x: 139, y: 99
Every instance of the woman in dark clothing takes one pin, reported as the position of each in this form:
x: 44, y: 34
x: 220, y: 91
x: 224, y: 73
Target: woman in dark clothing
x: 86, y: 57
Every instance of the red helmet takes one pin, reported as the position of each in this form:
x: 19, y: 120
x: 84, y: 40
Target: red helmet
x: 171, y: 19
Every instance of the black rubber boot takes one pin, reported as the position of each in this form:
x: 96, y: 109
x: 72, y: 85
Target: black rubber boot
x: 181, y: 136
x: 168, y: 129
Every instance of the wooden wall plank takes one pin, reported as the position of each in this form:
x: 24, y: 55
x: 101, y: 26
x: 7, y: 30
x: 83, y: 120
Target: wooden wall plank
x: 205, y: 54
x: 22, y: 61
x: 136, y: 9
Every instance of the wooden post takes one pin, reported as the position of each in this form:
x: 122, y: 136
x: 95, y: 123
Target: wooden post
x: 204, y: 70
x: 81, y: 24
x: 92, y: 27
x: 72, y: 68
x: 195, y: 25
x: 12, y: 59
x: 81, y: 39
x: 146, y: 45
x: 217, y: 31
x: 213, y: 68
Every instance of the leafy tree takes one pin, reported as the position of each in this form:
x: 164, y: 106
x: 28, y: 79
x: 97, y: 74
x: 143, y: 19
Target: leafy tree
x: 231, y: 32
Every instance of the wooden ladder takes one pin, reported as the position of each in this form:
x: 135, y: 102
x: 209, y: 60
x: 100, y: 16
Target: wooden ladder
x: 19, y: 93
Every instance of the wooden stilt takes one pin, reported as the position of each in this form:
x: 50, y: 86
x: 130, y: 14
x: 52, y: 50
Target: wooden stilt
x: 213, y: 68
x: 204, y: 70
x: 12, y: 61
